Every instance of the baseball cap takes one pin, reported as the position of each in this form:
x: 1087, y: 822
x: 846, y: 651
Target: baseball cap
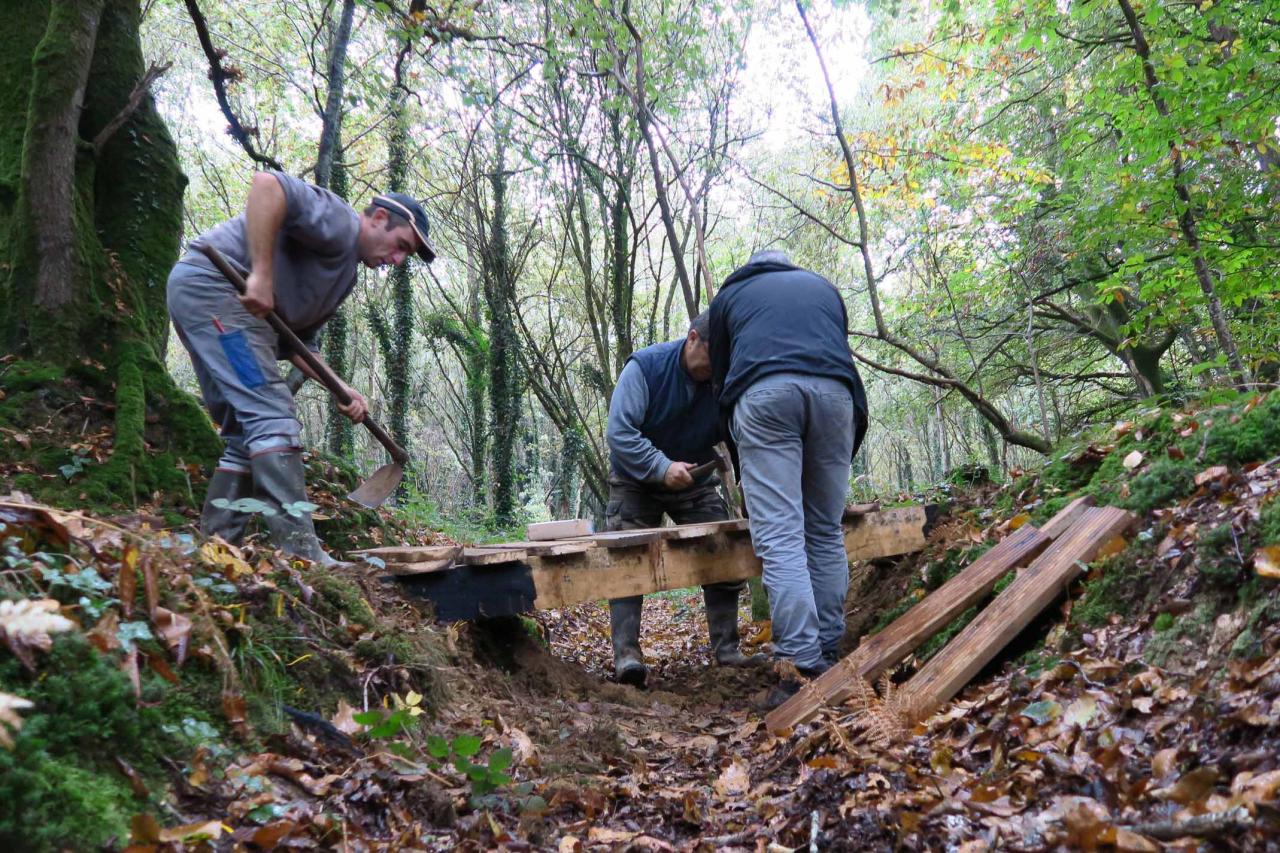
x: 411, y: 210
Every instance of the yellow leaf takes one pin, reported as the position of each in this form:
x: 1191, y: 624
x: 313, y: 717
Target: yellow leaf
x: 1112, y: 546
x: 1266, y: 561
x: 1019, y: 520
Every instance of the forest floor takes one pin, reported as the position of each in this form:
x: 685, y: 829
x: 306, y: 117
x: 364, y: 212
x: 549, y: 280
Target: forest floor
x: 186, y: 695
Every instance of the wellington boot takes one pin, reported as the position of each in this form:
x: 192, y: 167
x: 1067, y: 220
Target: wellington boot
x: 722, y: 626
x: 624, y: 630
x: 279, y: 481
x: 228, y: 523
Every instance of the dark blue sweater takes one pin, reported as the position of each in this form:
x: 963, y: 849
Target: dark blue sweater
x: 680, y: 416
x: 778, y: 318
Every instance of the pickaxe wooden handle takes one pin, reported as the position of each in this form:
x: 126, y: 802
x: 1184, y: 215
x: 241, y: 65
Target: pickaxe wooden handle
x: 327, y: 376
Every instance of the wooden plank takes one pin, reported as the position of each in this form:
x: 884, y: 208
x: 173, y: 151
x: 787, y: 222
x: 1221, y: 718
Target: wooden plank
x: 552, y: 548
x: 1067, y: 516
x: 424, y: 567
x: 855, y: 510
x: 410, y: 553
x: 571, y: 528
x: 887, y: 533
x: 684, y: 532
x: 605, y: 572
x: 491, y: 556
x: 629, y: 538
x: 881, y: 651
x: 638, y: 562
x: 1032, y: 591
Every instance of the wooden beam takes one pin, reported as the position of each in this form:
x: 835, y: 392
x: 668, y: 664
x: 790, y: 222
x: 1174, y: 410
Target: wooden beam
x: 886, y: 533
x: 1067, y: 516
x: 881, y: 651
x: 635, y: 562
x: 571, y: 528
x: 1032, y: 591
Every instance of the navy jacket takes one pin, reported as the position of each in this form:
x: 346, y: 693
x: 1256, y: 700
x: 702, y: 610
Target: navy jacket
x: 775, y: 317
x: 661, y: 416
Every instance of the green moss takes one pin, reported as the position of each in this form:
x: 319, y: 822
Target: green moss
x: 1163, y: 622
x: 1165, y: 482
x: 1268, y: 528
x: 1118, y: 585
x: 29, y: 376
x: 59, y: 787
x: 1219, y: 552
x: 1253, y: 437
x: 341, y: 597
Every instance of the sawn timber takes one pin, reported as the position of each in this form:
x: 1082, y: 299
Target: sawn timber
x: 511, y: 578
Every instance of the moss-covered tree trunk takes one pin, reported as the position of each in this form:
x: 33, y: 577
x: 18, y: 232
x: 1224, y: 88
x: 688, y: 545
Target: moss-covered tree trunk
x: 504, y: 386
x: 89, y: 228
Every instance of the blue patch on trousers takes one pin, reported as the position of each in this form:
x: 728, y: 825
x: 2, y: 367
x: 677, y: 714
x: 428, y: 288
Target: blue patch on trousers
x: 241, y: 358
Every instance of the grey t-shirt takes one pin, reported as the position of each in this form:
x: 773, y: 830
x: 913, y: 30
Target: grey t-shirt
x: 315, y: 254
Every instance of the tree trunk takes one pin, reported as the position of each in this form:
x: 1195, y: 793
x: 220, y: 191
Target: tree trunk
x: 397, y: 360
x: 89, y: 232
x: 504, y: 388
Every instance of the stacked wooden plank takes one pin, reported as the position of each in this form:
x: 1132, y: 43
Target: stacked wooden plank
x: 1055, y: 553
x: 514, y: 577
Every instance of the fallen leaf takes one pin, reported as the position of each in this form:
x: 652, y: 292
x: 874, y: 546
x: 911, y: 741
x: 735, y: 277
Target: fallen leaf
x: 1081, y: 711
x: 570, y: 844
x: 10, y: 705
x: 1131, y: 842
x: 1133, y: 460
x: 235, y: 709
x: 26, y: 624
x: 1266, y: 561
x: 1208, y: 475
x: 174, y: 629
x: 1042, y: 712
x: 344, y: 719
x: 1164, y: 762
x: 734, y: 780
x: 1111, y: 547
x: 1191, y: 788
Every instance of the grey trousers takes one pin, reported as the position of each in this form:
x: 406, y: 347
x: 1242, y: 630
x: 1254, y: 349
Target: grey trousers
x: 235, y: 366
x: 795, y: 440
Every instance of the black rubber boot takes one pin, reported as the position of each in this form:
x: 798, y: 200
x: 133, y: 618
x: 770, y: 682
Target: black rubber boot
x: 279, y: 481
x: 220, y: 521
x: 624, y: 629
x: 788, y: 687
x: 722, y: 625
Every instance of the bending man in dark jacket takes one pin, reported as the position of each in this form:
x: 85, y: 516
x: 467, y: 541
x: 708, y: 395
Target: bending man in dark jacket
x: 785, y: 380
x: 662, y: 422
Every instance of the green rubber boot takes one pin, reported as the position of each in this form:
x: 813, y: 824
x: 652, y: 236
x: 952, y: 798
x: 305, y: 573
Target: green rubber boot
x: 221, y: 521
x: 279, y: 481
x: 624, y: 630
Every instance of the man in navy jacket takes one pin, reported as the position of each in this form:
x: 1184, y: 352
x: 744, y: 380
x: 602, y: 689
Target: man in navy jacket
x: 663, y: 420
x: 796, y: 410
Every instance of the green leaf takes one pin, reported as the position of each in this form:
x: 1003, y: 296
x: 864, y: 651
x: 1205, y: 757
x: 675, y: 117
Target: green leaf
x: 1042, y: 712
x: 466, y: 745
x: 437, y: 747
x: 368, y: 718
x: 130, y: 632
x: 501, y: 759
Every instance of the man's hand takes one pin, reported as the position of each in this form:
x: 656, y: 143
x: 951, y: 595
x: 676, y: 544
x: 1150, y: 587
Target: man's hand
x: 677, y: 476
x: 357, y: 408
x: 259, y: 295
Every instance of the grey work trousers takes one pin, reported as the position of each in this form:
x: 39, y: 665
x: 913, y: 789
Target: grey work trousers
x: 235, y: 366
x: 795, y: 440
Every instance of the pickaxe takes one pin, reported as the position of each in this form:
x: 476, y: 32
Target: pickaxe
x: 373, y: 492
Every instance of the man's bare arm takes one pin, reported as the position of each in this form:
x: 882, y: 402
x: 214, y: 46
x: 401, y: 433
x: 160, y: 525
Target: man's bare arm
x: 264, y: 214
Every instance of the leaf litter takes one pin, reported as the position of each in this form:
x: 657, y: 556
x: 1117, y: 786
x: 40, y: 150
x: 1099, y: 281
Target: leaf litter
x: 1092, y: 745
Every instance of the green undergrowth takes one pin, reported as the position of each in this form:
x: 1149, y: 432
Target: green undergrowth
x: 59, y: 431
x: 299, y: 640
x: 61, y: 786
x: 1174, y: 443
